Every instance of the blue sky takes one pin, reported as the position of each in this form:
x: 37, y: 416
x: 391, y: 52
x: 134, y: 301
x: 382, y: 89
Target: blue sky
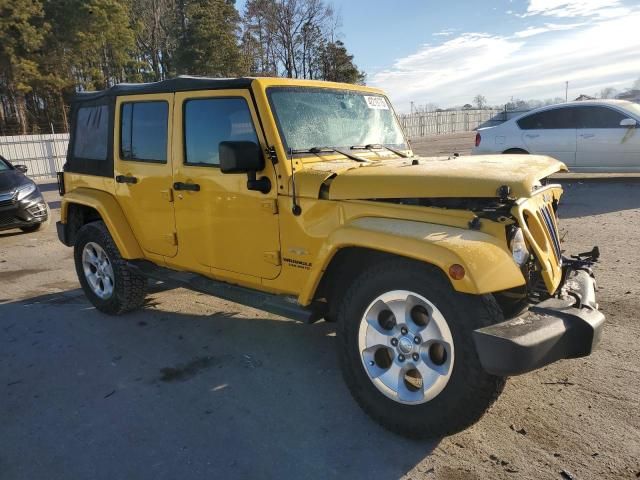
x: 446, y: 52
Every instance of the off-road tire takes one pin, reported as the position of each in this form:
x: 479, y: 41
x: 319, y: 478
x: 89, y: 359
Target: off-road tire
x: 469, y: 392
x: 130, y: 288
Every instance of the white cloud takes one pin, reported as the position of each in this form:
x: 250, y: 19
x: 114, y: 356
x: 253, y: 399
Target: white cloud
x: 445, y: 33
x: 574, y: 8
x: 548, y: 27
x: 531, y: 63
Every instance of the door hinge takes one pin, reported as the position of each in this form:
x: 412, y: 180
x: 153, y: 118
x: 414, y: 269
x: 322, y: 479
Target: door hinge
x: 272, y: 257
x: 167, y: 195
x: 170, y: 238
x: 270, y: 206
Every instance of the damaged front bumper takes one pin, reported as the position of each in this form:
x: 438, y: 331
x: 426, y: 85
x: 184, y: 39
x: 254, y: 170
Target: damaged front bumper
x: 566, y: 326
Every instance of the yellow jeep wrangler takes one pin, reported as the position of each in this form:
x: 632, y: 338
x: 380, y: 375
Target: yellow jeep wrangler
x: 303, y: 198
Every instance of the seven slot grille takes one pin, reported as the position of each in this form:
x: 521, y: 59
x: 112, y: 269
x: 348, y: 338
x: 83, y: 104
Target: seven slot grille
x: 549, y: 220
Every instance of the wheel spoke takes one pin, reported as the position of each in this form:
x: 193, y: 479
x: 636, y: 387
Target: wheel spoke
x: 429, y: 374
x: 376, y: 337
x: 392, y: 376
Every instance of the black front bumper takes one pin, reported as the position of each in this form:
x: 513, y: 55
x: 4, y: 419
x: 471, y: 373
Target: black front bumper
x: 27, y: 212
x: 566, y: 327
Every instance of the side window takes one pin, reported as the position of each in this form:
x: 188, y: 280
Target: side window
x: 92, y: 133
x: 143, y: 131
x: 557, y: 118
x: 599, y: 117
x: 209, y: 121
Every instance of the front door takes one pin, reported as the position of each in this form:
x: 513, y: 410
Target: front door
x: 221, y: 224
x: 603, y: 144
x: 142, y: 152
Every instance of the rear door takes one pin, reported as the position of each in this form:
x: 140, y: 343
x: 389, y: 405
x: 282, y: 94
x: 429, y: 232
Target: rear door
x: 551, y: 132
x: 143, y: 169
x: 603, y: 144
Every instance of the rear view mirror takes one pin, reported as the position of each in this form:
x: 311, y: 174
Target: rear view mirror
x: 244, y: 157
x: 21, y: 168
x: 628, y: 122
x: 240, y: 157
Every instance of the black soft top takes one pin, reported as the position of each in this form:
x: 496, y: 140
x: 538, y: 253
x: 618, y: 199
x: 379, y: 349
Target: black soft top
x: 179, y: 84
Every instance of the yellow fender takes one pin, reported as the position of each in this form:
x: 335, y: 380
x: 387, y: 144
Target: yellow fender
x: 112, y: 215
x: 488, y: 264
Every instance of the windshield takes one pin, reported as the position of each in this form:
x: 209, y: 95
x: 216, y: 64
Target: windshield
x: 309, y: 118
x: 4, y: 165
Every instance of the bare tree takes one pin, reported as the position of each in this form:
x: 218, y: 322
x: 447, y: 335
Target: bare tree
x: 608, y: 92
x: 480, y: 101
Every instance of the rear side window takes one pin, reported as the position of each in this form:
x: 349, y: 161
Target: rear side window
x: 143, y: 131
x: 209, y: 121
x: 92, y: 133
x: 599, y: 117
x: 557, y: 118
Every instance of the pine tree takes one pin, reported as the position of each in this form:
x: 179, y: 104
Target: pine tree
x: 338, y: 66
x: 209, y: 44
x: 22, y: 31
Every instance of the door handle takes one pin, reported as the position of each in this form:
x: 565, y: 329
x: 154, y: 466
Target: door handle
x: 587, y: 135
x: 191, y: 187
x: 126, y: 179
x: 532, y: 135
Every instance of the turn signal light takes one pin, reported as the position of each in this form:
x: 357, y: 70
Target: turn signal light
x: 478, y: 139
x: 456, y: 271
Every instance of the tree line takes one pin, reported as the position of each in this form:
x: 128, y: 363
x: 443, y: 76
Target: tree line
x: 51, y: 48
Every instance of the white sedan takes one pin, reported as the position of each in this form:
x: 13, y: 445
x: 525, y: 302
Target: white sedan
x: 588, y: 136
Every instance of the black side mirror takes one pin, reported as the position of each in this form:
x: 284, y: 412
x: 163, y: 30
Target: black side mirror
x: 244, y: 157
x: 21, y: 168
x: 240, y: 157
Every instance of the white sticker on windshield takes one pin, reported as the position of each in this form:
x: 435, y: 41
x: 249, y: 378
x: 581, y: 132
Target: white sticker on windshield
x: 377, y: 103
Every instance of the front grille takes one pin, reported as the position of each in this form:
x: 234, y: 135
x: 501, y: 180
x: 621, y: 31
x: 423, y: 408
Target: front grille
x: 548, y: 217
x: 7, y: 219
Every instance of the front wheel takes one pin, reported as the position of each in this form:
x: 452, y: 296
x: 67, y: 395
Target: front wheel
x: 406, y: 350
x: 108, y: 282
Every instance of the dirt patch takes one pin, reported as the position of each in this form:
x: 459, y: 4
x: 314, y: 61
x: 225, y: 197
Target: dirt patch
x: 13, y: 275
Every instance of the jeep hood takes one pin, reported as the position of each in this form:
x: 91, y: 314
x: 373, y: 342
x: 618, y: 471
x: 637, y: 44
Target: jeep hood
x: 462, y: 177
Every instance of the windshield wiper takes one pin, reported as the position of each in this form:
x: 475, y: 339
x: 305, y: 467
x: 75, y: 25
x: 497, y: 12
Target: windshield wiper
x: 318, y: 150
x: 373, y: 146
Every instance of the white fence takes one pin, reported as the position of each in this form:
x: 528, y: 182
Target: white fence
x: 421, y: 124
x: 43, y: 154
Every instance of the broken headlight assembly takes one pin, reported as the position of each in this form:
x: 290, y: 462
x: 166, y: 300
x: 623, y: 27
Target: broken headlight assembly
x: 518, y: 246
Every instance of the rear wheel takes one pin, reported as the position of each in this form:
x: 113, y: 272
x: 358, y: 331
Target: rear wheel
x: 406, y: 350
x: 109, y: 284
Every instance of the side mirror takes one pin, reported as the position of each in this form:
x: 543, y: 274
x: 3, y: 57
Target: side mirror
x: 628, y: 122
x: 244, y: 157
x: 240, y: 157
x: 21, y: 168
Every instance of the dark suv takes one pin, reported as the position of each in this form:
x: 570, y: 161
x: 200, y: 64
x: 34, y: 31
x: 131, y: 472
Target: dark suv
x: 21, y: 203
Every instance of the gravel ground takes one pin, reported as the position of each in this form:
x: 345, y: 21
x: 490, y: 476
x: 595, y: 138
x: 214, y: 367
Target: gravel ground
x: 194, y: 387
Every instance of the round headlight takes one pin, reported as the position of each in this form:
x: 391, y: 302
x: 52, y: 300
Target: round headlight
x: 518, y: 247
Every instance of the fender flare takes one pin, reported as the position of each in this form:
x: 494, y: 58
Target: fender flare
x: 488, y: 264
x: 112, y: 215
